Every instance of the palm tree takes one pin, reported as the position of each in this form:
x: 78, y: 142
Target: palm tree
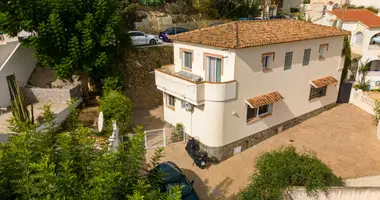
x: 363, y: 70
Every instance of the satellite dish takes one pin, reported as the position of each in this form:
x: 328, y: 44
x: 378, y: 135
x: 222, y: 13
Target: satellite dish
x: 100, y: 121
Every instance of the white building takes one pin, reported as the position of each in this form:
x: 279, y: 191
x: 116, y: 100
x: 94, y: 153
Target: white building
x: 364, y: 26
x: 236, y: 84
x: 14, y: 59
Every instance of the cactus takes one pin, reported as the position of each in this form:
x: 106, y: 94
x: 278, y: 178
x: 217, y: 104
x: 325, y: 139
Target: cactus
x: 19, y: 108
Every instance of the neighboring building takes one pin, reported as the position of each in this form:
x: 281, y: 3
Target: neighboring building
x: 14, y: 59
x: 364, y: 26
x: 236, y: 84
x: 366, y: 3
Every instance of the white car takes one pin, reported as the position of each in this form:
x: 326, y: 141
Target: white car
x: 140, y: 38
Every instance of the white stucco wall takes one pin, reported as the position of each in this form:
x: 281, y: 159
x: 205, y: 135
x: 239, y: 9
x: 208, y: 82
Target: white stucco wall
x: 22, y: 64
x: 290, y: 3
x: 199, y: 61
x: 219, y: 123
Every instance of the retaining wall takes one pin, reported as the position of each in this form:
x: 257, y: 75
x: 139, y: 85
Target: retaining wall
x: 51, y: 94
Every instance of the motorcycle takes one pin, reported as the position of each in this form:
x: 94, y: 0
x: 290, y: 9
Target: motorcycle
x: 199, y: 157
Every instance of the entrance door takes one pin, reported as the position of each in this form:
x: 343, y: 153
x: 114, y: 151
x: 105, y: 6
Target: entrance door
x: 214, y: 69
x: 344, y: 93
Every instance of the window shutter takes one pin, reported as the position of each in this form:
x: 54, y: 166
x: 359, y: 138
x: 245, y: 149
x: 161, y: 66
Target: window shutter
x: 288, y: 60
x: 306, y: 57
x: 218, y: 70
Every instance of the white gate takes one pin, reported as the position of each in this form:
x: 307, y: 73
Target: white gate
x: 155, y: 138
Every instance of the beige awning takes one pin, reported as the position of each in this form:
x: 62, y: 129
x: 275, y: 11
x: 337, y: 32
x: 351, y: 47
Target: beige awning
x: 322, y: 82
x: 265, y: 99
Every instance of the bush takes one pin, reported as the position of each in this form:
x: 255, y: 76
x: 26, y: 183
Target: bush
x: 206, y: 7
x: 116, y: 107
x: 112, y: 83
x: 280, y: 169
x: 151, y: 2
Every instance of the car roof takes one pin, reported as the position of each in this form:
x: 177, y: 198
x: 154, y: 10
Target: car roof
x: 171, y: 172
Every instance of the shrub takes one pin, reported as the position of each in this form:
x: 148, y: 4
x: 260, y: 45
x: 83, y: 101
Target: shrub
x: 177, y: 134
x: 116, y: 107
x: 112, y: 83
x: 206, y: 7
x: 376, y: 110
x: 151, y: 2
x: 279, y: 169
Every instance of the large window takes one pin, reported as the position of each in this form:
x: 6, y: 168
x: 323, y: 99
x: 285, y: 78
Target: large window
x: 170, y: 101
x: 317, y: 92
x: 306, y: 57
x: 253, y: 113
x: 288, y: 60
x: 186, y: 59
x: 214, y: 69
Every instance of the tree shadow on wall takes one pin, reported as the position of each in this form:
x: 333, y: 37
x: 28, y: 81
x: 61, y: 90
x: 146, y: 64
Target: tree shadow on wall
x: 205, y: 191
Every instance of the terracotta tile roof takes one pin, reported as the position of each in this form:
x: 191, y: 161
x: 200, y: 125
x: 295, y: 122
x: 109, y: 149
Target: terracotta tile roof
x: 366, y: 17
x: 322, y: 82
x: 251, y: 33
x: 265, y: 99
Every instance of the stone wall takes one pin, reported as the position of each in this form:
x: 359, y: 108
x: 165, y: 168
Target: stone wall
x: 224, y: 152
x: 51, y: 94
x: 139, y: 77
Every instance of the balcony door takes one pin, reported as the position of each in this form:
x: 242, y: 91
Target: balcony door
x: 214, y: 69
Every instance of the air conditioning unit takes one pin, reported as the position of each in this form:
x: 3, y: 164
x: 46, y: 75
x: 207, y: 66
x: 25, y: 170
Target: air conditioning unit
x: 188, y: 106
x: 198, y: 79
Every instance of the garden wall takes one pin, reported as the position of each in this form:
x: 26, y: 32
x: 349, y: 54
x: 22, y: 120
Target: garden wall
x: 61, y: 95
x: 139, y: 77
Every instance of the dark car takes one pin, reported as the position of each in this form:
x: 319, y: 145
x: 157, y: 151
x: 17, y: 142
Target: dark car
x: 173, y: 176
x: 277, y: 17
x: 171, y: 31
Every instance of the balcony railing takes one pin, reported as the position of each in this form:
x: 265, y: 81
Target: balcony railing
x: 374, y: 47
x: 194, y: 92
x: 373, y: 73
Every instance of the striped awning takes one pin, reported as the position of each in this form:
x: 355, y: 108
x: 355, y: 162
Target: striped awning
x: 265, y: 99
x: 322, y: 82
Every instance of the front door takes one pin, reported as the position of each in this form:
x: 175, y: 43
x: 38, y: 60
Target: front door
x: 214, y: 69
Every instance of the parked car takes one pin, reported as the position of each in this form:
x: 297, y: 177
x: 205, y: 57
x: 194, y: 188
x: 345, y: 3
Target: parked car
x: 173, y: 176
x: 277, y: 17
x: 140, y: 38
x: 171, y: 31
x: 215, y: 24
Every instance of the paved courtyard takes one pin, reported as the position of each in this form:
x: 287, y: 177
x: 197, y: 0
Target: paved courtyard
x: 55, y: 108
x: 343, y: 137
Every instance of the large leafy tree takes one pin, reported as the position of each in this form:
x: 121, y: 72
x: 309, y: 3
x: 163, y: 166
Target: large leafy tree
x: 85, y: 37
x: 66, y: 164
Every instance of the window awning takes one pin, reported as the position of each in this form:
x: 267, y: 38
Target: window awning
x: 322, y: 82
x: 265, y: 99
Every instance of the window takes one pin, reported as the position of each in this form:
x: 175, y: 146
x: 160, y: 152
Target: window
x: 306, y: 57
x: 133, y: 34
x: 187, y: 59
x: 266, y: 60
x: 317, y: 92
x: 214, y: 69
x: 170, y: 100
x: 288, y: 60
x: 322, y: 49
x: 253, y: 113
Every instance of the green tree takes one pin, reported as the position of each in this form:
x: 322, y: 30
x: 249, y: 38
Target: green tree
x: 116, y: 107
x: 347, y: 61
x: 60, y: 164
x: 283, y: 168
x: 87, y: 38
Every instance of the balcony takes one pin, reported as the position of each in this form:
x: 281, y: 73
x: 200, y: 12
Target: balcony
x: 192, y: 88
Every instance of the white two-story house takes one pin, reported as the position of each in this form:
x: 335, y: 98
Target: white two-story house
x: 364, y: 26
x: 236, y: 84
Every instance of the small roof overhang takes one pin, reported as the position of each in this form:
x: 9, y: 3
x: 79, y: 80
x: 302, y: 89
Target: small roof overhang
x: 265, y: 99
x: 322, y: 82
